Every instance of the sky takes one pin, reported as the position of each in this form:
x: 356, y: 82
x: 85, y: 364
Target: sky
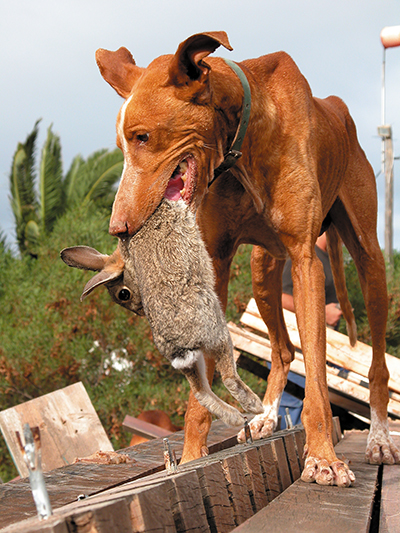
x: 48, y: 70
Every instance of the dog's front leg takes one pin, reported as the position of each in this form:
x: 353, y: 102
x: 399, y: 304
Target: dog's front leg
x: 267, y: 289
x: 197, y: 418
x: 321, y: 464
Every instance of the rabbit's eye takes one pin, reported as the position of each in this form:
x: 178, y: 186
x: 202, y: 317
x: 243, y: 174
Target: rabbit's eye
x: 124, y: 295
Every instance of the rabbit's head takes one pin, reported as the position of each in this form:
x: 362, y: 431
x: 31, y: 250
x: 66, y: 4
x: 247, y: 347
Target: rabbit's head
x: 111, y: 272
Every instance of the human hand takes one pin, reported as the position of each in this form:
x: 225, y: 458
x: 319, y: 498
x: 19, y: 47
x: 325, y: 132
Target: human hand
x: 333, y: 314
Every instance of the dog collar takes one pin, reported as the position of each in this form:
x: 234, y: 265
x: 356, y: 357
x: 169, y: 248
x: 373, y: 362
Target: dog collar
x: 234, y: 153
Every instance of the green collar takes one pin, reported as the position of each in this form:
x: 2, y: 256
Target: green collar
x: 234, y: 153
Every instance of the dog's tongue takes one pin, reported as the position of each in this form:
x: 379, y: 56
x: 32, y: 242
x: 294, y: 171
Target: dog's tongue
x: 173, y: 189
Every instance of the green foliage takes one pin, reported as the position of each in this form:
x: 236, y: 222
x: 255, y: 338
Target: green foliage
x: 49, y: 339
x: 36, y: 211
x: 22, y: 181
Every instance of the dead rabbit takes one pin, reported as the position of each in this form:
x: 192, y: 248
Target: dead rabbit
x: 164, y: 272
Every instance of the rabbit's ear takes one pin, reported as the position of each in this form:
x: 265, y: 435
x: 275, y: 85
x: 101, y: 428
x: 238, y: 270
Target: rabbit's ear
x: 84, y: 257
x: 102, y: 278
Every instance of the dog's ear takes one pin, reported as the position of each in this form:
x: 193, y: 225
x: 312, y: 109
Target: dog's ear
x: 118, y: 69
x: 187, y: 68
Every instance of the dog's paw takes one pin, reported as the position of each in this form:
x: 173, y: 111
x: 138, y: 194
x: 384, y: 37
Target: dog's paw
x: 260, y: 427
x: 323, y: 473
x: 382, y: 450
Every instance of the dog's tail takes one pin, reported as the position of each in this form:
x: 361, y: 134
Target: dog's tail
x: 337, y: 265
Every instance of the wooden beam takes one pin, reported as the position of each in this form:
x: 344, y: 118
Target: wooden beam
x: 144, y: 429
x: 338, y: 351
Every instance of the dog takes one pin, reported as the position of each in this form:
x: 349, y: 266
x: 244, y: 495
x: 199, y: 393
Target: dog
x: 301, y: 171
x: 167, y: 275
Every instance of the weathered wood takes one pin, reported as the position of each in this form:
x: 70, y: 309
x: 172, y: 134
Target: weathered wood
x: 279, y: 451
x: 54, y: 524
x: 64, y: 485
x: 357, y: 359
x: 337, y: 431
x: 106, y: 517
x: 390, y: 493
x: 215, y: 497
x: 254, y: 479
x: 307, y: 507
x: 350, y: 395
x: 143, y: 428
x: 150, y: 511
x: 69, y: 427
x: 291, y: 453
x: 237, y: 488
x: 187, y: 503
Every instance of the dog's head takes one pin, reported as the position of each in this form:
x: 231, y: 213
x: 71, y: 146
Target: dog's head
x: 166, y: 129
x: 111, y: 272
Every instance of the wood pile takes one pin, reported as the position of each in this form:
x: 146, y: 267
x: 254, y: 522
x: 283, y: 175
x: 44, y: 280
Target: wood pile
x: 347, y: 367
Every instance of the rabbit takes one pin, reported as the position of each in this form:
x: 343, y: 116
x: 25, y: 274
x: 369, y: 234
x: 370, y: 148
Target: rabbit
x: 165, y: 273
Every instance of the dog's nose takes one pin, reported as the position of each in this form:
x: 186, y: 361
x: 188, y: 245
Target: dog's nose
x: 119, y: 229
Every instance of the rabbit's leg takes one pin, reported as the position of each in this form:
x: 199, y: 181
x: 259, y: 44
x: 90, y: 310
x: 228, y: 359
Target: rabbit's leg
x: 196, y: 375
x: 240, y: 391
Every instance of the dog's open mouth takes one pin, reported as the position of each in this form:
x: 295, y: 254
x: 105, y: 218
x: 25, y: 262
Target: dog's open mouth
x: 182, y: 182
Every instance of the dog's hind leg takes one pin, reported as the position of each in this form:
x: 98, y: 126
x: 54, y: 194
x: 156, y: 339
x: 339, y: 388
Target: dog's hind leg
x: 197, y: 377
x: 267, y: 289
x: 359, y: 235
x: 232, y: 381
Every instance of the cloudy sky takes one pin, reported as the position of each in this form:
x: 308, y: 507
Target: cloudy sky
x: 48, y: 71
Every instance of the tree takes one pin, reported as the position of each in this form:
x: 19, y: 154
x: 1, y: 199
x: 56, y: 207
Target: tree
x: 38, y: 201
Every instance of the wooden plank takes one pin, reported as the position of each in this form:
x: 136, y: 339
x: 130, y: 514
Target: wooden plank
x: 150, y: 510
x: 300, y: 439
x: 106, y: 517
x: 143, y: 428
x: 342, y: 392
x: 54, y: 524
x: 69, y: 427
x: 64, y: 485
x: 187, y: 503
x: 270, y: 471
x: 214, y: 493
x: 215, y: 497
x: 305, y: 507
x: 254, y: 479
x: 390, y: 493
x: 237, y: 488
x: 279, y: 451
x: 291, y: 453
x: 357, y: 359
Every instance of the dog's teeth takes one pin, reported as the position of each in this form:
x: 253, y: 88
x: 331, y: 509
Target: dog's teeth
x: 182, y: 191
x: 183, y: 166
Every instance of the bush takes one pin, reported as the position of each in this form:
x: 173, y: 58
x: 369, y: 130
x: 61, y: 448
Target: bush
x: 50, y: 340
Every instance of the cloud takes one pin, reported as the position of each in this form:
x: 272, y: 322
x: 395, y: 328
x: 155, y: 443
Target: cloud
x: 48, y: 68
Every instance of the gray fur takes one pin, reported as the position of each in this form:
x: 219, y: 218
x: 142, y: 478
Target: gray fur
x: 169, y: 275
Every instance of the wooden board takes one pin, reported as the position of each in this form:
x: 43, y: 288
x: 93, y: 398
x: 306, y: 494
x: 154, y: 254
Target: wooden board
x: 348, y: 392
x: 307, y: 507
x: 69, y: 427
x: 66, y: 484
x: 143, y: 428
x: 389, y: 519
x: 338, y: 350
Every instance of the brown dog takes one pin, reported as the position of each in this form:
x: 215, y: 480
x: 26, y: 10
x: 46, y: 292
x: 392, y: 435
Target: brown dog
x: 301, y: 166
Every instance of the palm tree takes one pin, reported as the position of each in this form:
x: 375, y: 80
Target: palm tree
x: 37, y: 202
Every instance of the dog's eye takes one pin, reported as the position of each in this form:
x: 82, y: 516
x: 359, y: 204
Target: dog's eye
x: 124, y: 295
x: 142, y: 137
